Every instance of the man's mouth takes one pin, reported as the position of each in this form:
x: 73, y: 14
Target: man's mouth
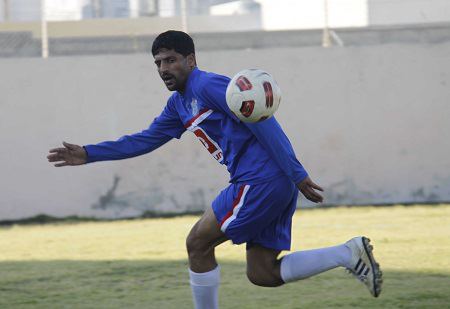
x: 168, y: 79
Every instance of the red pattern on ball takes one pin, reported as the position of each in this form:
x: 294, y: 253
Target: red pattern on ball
x: 247, y: 108
x: 243, y: 83
x: 269, y: 94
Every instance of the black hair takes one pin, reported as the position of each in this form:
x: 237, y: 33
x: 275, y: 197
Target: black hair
x: 178, y: 41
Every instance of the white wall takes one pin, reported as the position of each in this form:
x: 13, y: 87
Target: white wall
x: 2, y: 11
x: 310, y: 14
x: 399, y: 12
x: 25, y: 10
x: 276, y: 14
x: 64, y: 9
x: 167, y: 8
x: 369, y: 123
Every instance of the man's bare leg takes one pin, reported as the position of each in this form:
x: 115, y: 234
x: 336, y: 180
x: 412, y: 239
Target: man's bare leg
x: 265, y: 269
x: 263, y: 266
x: 204, y: 272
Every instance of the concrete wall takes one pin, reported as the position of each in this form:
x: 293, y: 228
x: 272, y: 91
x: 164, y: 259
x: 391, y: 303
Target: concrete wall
x: 15, y: 44
x: 274, y: 15
x: 136, y: 26
x: 310, y: 14
x: 400, y: 12
x: 371, y: 125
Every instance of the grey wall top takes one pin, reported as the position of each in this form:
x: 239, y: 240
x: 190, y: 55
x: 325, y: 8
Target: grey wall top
x: 23, y: 44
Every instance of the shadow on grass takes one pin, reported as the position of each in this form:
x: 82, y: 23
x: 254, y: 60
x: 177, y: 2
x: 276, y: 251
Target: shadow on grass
x: 47, y: 219
x: 164, y: 284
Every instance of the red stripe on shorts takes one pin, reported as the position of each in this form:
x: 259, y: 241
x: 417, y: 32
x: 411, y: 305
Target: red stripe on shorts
x: 235, y: 203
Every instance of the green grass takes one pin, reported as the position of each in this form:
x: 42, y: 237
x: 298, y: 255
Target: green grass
x: 142, y: 263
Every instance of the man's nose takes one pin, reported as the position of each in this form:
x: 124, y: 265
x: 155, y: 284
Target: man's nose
x: 163, y: 68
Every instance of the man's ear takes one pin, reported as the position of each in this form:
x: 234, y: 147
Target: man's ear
x: 192, y: 62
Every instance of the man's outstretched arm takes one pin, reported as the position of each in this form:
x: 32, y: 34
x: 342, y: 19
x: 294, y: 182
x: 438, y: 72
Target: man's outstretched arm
x: 127, y: 146
x: 163, y: 129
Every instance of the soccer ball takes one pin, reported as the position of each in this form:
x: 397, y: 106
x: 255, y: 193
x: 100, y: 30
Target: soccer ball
x: 253, y: 95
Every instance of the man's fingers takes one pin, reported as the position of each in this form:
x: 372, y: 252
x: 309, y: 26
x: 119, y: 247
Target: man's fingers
x: 319, y: 198
x: 316, y: 195
x: 55, y: 157
x: 308, y: 187
x: 61, y: 164
x: 69, y: 146
x: 312, y: 195
x: 316, y: 186
x: 58, y: 150
x: 313, y: 198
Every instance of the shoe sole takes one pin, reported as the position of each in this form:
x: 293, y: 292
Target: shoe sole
x: 376, y: 271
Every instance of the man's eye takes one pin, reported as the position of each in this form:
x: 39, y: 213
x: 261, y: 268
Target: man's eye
x: 171, y: 60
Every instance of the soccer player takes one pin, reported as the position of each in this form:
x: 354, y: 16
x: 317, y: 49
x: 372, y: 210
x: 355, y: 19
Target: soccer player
x: 265, y: 177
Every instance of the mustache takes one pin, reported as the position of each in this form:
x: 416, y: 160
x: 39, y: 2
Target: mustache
x: 167, y: 76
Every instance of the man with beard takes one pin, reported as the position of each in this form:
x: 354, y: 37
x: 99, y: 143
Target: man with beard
x: 265, y: 177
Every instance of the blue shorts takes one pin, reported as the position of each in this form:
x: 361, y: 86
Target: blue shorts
x: 258, y: 214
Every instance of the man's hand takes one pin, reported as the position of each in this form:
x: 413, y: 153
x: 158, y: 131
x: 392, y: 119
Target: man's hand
x: 307, y: 186
x: 69, y: 155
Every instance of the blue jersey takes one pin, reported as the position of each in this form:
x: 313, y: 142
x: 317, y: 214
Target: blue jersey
x: 253, y: 153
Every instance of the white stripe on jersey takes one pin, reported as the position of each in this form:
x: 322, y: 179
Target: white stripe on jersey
x: 200, y: 118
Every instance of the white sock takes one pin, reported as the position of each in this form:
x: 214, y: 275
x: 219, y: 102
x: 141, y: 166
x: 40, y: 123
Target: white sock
x: 205, y: 288
x: 304, y: 264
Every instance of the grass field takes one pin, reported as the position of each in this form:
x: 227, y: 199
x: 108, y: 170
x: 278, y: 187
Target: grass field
x: 142, y: 263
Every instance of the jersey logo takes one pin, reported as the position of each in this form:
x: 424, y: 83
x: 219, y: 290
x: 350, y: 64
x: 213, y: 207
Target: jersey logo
x: 194, y: 107
x: 210, y: 145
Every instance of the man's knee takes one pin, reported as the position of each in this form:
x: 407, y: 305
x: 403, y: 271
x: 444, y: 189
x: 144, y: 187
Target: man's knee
x: 264, y: 276
x: 263, y: 266
x: 204, y: 236
x: 266, y: 279
x: 195, y: 244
